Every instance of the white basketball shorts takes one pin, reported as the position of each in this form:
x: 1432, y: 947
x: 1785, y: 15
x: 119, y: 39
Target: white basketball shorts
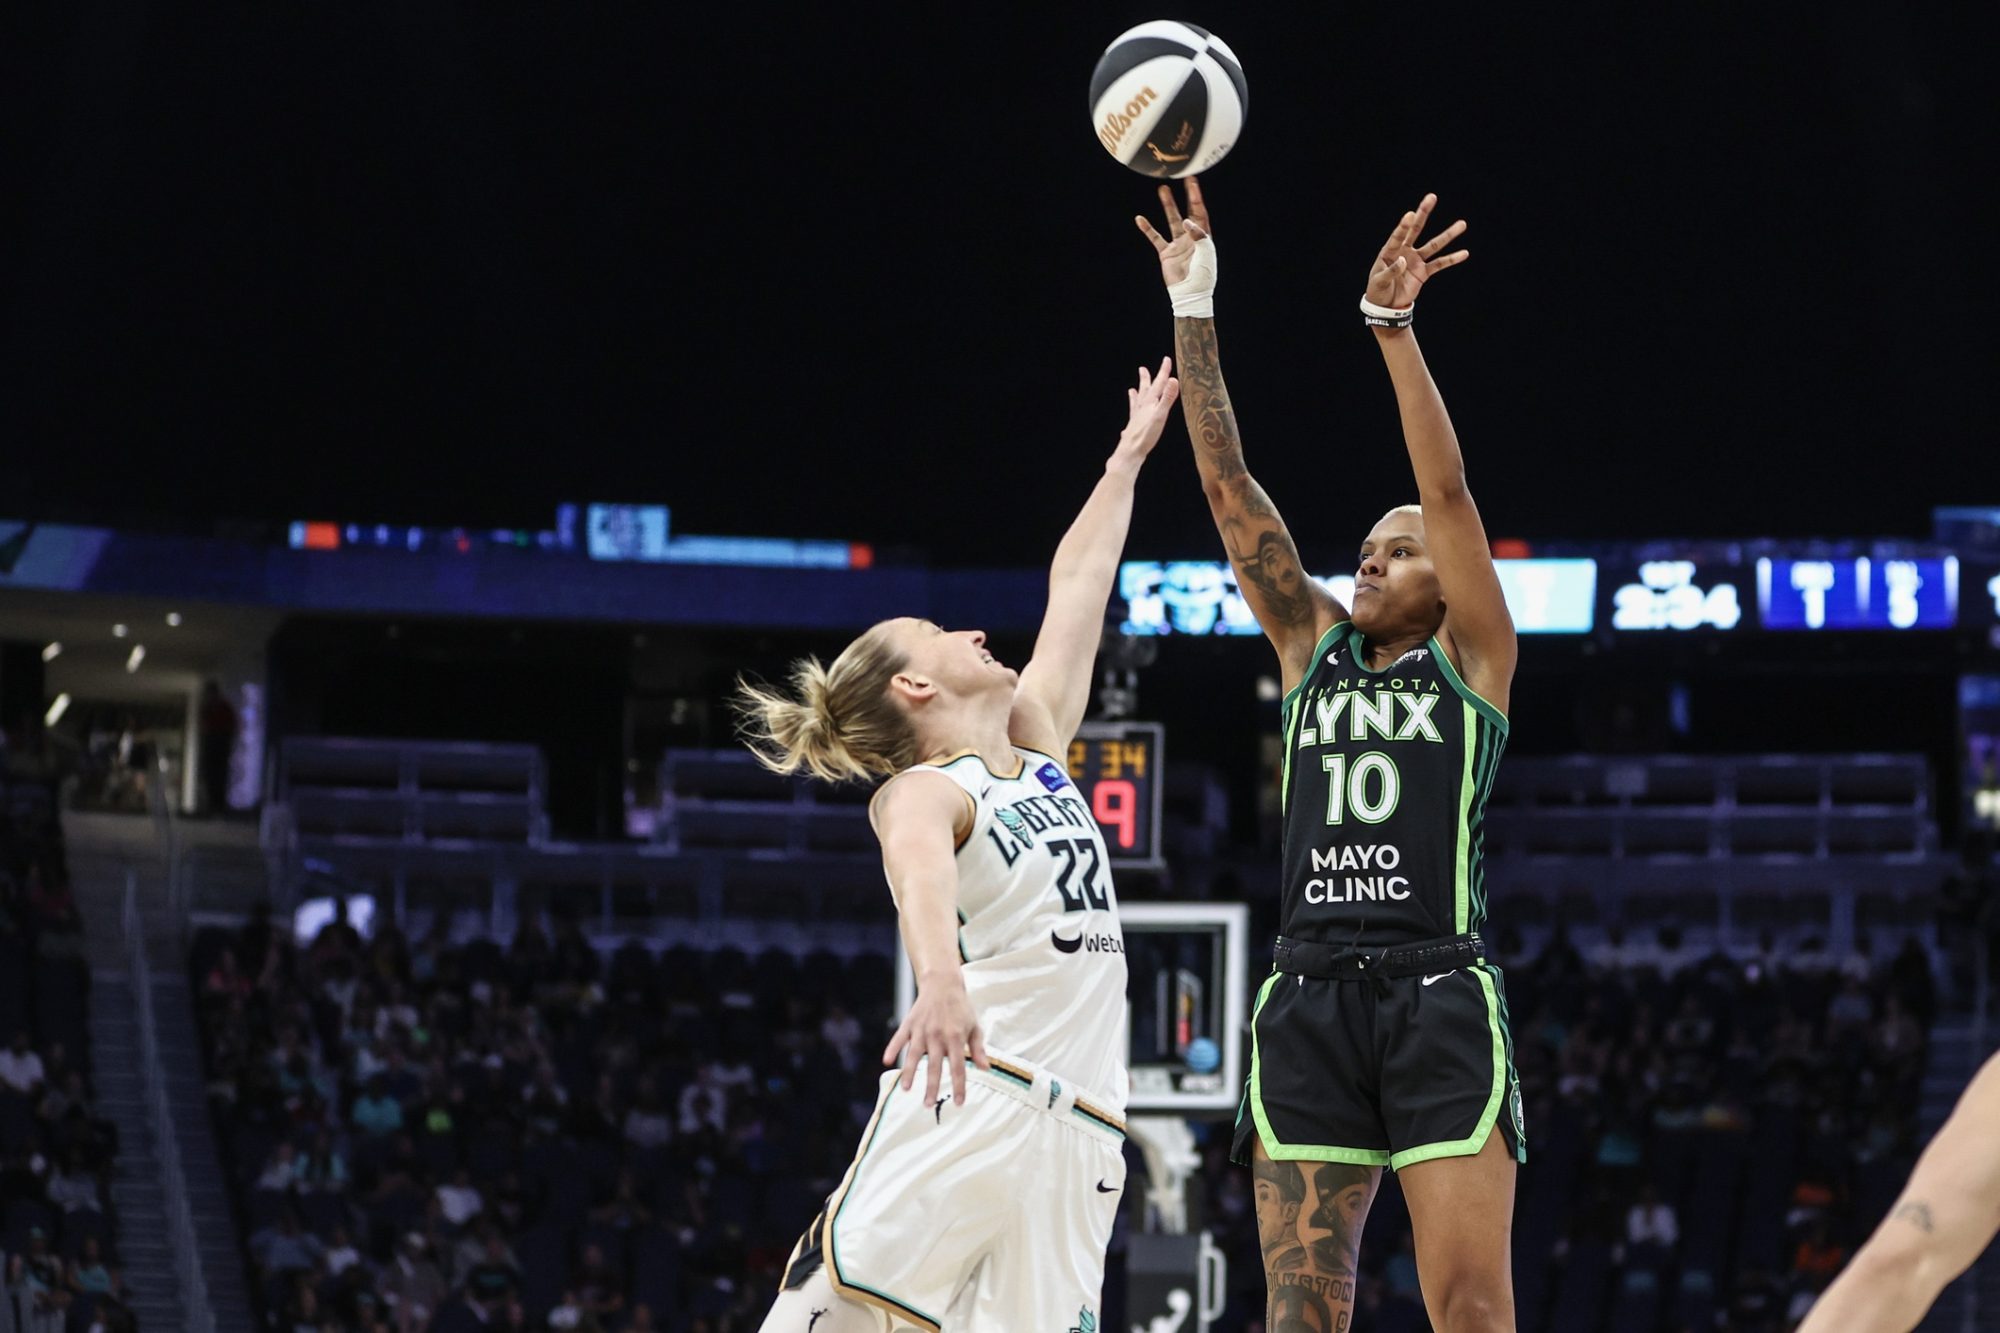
x: 991, y: 1217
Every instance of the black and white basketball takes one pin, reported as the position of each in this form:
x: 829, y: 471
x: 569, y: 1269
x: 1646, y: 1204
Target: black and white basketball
x: 1168, y: 99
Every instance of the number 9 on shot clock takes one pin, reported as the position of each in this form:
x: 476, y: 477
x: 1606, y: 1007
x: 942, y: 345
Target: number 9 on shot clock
x: 1117, y: 766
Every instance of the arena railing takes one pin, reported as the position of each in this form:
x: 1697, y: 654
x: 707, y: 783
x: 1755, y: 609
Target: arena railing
x: 181, y: 1241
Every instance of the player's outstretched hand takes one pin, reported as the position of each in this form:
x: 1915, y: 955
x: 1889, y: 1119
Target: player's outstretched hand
x: 1148, y: 408
x: 1187, y: 232
x: 1403, y: 267
x: 942, y: 1027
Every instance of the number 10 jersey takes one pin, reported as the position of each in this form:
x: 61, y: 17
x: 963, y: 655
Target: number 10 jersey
x: 1386, y: 777
x: 1039, y: 939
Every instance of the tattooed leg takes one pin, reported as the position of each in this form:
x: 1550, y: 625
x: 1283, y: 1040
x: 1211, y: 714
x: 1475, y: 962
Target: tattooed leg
x: 1310, y: 1252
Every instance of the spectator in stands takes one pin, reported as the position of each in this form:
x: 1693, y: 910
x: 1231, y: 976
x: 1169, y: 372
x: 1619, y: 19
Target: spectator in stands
x: 341, y: 1253
x: 20, y: 1068
x: 842, y: 1031
x: 460, y: 1200
x: 572, y: 1314
x: 377, y: 1114
x: 413, y: 1286
x: 89, y: 1275
x: 1651, y: 1221
x: 74, y: 1187
x: 281, y: 1169
x: 702, y: 1103
x: 43, y: 1276
x: 287, y: 1248
x: 646, y: 1124
x: 491, y: 1281
x: 600, y: 1286
x: 323, y: 1168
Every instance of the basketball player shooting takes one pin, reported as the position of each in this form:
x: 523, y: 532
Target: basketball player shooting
x: 1380, y: 1038
x: 983, y: 1193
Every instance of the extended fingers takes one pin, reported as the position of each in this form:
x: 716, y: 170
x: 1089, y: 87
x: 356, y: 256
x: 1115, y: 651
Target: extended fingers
x: 1405, y: 231
x: 1172, y: 209
x: 1447, y: 261
x: 1197, y: 206
x: 1159, y: 241
x: 1442, y: 239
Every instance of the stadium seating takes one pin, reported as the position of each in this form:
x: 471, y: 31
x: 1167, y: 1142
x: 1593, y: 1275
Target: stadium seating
x: 58, y: 1248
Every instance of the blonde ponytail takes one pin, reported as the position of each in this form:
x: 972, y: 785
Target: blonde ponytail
x: 837, y: 723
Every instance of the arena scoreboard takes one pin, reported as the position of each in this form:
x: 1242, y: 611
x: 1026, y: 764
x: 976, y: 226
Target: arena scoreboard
x: 1117, y: 766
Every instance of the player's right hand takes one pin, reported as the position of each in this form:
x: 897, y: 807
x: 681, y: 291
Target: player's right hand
x: 939, y: 1030
x: 1187, y: 232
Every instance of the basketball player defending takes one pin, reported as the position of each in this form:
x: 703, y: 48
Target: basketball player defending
x: 982, y: 1202
x: 1947, y: 1214
x: 1380, y: 1038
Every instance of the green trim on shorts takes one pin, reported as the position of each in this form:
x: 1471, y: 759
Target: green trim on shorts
x: 833, y: 1225
x: 1476, y: 1140
x: 1461, y: 880
x: 1294, y: 1152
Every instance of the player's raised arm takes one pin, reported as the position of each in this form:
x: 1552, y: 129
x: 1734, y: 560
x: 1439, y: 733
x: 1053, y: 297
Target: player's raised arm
x: 1055, y: 685
x: 1947, y: 1214
x: 1292, y: 609
x: 921, y: 818
x: 1476, y: 619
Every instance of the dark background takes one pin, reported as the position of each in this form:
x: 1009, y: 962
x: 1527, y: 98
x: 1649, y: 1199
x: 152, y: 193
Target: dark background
x: 866, y: 273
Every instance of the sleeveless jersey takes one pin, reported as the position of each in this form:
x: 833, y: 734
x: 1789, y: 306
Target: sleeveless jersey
x: 1043, y: 953
x: 1386, y: 775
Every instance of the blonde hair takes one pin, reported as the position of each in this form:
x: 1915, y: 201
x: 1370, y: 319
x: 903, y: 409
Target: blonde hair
x: 1418, y: 510
x: 838, y: 723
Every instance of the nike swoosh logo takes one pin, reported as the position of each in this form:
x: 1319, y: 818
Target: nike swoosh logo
x: 1439, y: 977
x: 1103, y: 1188
x: 1063, y: 945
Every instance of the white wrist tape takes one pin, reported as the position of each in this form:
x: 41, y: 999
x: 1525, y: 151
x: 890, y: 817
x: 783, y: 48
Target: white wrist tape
x: 1194, y: 295
x: 1368, y: 307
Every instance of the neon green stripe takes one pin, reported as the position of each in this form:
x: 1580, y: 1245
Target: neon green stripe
x: 1461, y: 879
x: 833, y: 1224
x: 1492, y: 714
x: 1293, y: 1152
x: 1312, y: 662
x: 1476, y: 1140
x: 1291, y: 739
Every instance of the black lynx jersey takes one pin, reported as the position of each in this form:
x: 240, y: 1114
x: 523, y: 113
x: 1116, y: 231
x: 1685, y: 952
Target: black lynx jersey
x: 1385, y: 783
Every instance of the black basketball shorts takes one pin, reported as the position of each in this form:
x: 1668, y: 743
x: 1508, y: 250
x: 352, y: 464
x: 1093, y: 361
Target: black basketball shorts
x: 1380, y: 1072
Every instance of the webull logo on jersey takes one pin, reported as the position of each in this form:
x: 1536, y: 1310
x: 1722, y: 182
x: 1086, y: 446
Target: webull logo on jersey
x: 1360, y: 888
x: 1052, y: 777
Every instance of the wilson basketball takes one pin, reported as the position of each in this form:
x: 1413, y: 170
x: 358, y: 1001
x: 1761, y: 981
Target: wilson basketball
x: 1168, y: 99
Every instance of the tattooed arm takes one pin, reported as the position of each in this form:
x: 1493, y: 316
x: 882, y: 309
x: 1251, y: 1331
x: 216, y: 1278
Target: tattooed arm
x: 1947, y: 1215
x: 1292, y: 609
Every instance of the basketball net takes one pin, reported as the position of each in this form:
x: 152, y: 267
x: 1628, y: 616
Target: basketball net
x: 1167, y: 1141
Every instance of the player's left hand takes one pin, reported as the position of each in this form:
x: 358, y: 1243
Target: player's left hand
x: 1403, y: 266
x: 1148, y: 408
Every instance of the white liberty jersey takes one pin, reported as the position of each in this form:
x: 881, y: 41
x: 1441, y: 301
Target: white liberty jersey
x: 1043, y: 953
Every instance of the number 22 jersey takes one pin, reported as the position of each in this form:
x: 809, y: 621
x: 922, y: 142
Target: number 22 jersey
x: 1039, y: 938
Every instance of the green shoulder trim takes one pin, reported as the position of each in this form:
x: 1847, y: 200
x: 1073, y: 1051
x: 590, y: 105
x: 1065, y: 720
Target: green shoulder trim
x: 1487, y: 710
x: 1313, y: 661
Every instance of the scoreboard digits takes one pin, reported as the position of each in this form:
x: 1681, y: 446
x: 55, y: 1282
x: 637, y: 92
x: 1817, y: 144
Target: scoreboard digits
x: 1116, y: 765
